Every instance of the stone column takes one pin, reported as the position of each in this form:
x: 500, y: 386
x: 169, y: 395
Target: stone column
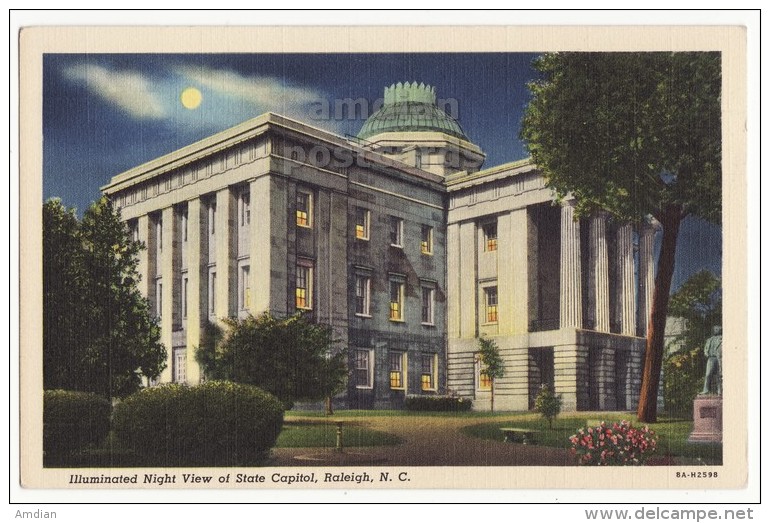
x: 512, y: 277
x: 626, y: 296
x: 468, y: 300
x: 646, y: 272
x: 195, y: 229
x: 268, y: 258
x: 570, y: 302
x: 598, y: 274
x: 453, y: 280
x: 167, y: 280
x: 224, y: 227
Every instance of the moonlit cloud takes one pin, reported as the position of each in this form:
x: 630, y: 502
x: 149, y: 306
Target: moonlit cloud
x: 266, y: 92
x: 129, y: 91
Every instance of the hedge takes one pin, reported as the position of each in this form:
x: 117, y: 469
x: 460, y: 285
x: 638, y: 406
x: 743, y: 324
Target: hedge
x: 72, y: 421
x: 218, y: 423
x: 437, y: 403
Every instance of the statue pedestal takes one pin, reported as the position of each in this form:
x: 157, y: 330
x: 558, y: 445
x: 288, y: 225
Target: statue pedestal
x: 707, y: 418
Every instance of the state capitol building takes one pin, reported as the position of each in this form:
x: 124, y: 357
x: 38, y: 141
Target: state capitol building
x: 401, y: 242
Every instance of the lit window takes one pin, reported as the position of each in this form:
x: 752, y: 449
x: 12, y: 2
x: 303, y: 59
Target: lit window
x: 304, y: 209
x: 212, y: 292
x: 363, y: 286
x: 304, y: 296
x: 362, y: 223
x: 396, y: 231
x: 490, y: 299
x: 490, y: 237
x: 363, y: 367
x: 483, y: 381
x: 428, y: 372
x: 245, y: 208
x: 426, y: 240
x: 180, y: 365
x: 397, y: 369
x: 244, y: 289
x: 396, y: 301
x: 427, y: 305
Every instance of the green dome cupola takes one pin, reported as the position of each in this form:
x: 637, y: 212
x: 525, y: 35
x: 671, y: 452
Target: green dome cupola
x: 410, y: 107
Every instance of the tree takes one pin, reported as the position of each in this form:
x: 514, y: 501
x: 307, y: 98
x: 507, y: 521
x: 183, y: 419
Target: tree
x: 492, y: 365
x: 698, y: 302
x: 97, y: 330
x: 548, y: 404
x: 633, y: 134
x: 63, y: 296
x: 292, y: 358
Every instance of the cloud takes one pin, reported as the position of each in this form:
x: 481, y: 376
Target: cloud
x: 265, y: 92
x: 129, y: 91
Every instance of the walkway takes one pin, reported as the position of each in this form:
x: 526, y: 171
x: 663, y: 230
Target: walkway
x: 428, y: 441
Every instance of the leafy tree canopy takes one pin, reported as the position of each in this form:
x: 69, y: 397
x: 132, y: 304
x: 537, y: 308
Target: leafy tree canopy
x: 292, y: 358
x: 699, y: 302
x: 490, y: 356
x: 630, y: 133
x: 98, y: 335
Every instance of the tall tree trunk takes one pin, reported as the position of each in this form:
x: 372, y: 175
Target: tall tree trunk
x: 647, y: 410
x: 492, y: 395
x: 328, y: 404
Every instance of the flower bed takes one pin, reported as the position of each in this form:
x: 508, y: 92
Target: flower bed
x: 616, y: 444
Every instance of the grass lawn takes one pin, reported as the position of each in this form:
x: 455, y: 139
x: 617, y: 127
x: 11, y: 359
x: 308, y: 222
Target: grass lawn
x: 307, y: 433
x: 672, y: 433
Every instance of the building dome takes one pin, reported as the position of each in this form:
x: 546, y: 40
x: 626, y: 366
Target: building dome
x: 410, y: 108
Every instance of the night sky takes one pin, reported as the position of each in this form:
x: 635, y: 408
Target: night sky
x: 103, y: 114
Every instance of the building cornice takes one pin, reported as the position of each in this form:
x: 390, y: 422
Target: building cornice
x: 249, y: 130
x: 463, y: 180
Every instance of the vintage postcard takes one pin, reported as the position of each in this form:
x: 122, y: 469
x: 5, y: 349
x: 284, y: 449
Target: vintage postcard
x: 383, y: 258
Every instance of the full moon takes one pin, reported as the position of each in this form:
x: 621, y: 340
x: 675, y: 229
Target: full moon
x: 191, y: 98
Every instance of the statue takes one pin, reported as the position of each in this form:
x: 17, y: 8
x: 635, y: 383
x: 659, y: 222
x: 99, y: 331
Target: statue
x: 713, y: 352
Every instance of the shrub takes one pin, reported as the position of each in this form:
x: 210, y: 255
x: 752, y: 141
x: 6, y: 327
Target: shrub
x: 548, y: 404
x: 72, y: 421
x: 682, y: 381
x: 437, y: 403
x: 218, y: 423
x: 619, y: 444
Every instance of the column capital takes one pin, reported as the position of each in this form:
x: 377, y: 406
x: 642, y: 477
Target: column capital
x: 650, y: 225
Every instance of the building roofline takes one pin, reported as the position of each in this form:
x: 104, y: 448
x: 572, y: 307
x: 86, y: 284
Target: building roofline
x: 247, y: 130
x: 462, y: 179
